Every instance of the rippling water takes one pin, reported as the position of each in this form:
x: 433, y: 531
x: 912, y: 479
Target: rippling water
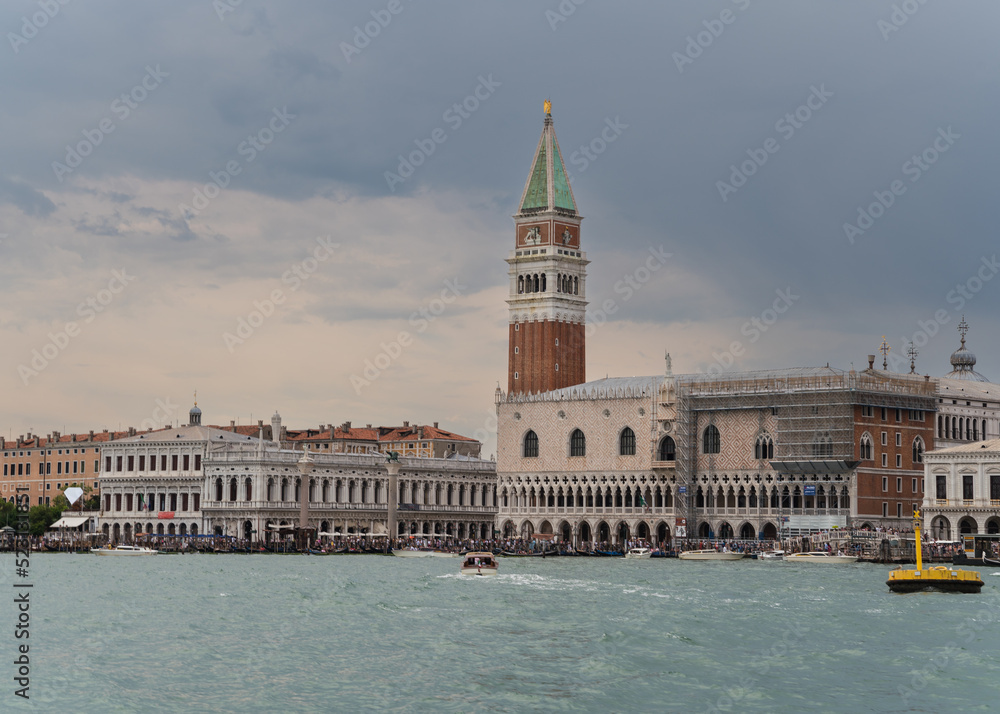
x: 349, y: 633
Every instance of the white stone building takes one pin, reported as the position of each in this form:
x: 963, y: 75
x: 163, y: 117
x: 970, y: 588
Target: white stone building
x: 153, y: 482
x: 962, y: 490
x: 968, y: 403
x: 249, y: 489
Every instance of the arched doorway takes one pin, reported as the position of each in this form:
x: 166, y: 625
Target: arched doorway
x: 769, y: 532
x: 967, y: 526
x: 247, y: 531
x: 642, y: 531
x: 603, y: 532
x: 662, y: 533
x: 704, y: 531
x: 566, y: 532
x: 116, y: 533
x: 508, y: 529
x: 623, y: 532
x: 747, y: 532
x: 546, y: 528
x: 725, y: 530
x: 993, y: 526
x: 527, y: 528
x: 941, y: 528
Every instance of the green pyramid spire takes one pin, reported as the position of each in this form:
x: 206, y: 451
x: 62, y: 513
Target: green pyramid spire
x: 548, y: 187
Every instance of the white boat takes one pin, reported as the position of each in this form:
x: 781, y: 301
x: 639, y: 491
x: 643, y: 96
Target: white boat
x: 819, y: 556
x: 638, y: 553
x: 479, y: 564
x: 123, y: 550
x: 423, y: 553
x: 709, y: 555
x: 772, y: 555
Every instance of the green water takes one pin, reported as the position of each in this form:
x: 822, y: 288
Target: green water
x: 369, y: 633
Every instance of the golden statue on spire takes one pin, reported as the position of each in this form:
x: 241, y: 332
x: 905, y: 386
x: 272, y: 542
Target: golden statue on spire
x: 548, y: 106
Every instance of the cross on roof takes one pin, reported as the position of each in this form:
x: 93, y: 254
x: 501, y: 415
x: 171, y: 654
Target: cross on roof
x: 885, y: 349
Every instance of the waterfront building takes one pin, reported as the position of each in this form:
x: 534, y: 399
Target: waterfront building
x: 963, y: 490
x: 152, y: 482
x: 253, y: 488
x: 738, y: 455
x: 44, y: 466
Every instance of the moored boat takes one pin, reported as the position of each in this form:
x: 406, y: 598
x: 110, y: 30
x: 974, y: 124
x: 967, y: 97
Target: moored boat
x: 709, y: 554
x: 939, y: 577
x: 479, y: 564
x: 638, y: 553
x: 771, y: 555
x: 123, y: 550
x: 819, y: 556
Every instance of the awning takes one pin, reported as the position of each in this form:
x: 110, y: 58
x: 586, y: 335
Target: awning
x: 70, y: 522
x: 814, y: 468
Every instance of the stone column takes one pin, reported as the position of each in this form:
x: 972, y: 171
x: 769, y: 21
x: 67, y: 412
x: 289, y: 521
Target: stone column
x: 305, y: 466
x: 392, y: 497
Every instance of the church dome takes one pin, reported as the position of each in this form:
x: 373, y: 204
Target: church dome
x: 963, y: 361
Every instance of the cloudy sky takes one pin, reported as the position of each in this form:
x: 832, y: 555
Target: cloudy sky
x: 244, y: 198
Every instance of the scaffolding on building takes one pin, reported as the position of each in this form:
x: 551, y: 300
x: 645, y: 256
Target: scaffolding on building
x: 813, y: 417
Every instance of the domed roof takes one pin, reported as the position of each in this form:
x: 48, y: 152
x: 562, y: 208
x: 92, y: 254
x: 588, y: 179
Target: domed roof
x: 963, y: 360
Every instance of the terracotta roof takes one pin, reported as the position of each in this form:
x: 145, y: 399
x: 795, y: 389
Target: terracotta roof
x: 41, y: 442
x: 380, y: 434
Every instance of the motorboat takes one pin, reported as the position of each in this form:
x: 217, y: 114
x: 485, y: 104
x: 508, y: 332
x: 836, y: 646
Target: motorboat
x: 939, y: 578
x: 771, y: 555
x: 479, y: 564
x: 819, y: 556
x: 709, y: 554
x: 124, y: 550
x: 638, y: 553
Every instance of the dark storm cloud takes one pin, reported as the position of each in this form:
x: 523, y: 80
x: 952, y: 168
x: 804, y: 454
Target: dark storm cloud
x: 700, y: 89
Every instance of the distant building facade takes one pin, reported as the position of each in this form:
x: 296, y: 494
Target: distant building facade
x: 738, y: 455
x: 963, y: 490
x: 44, y: 466
x: 250, y: 490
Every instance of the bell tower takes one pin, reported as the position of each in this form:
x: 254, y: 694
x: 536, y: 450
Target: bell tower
x: 548, y: 276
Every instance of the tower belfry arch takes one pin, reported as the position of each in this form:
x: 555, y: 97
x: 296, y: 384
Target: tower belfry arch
x: 548, y: 271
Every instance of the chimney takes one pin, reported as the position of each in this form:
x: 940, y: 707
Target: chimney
x: 91, y: 437
x: 871, y: 361
x: 406, y: 425
x: 435, y: 425
x: 368, y: 426
x: 420, y: 432
x: 347, y: 426
x: 232, y: 424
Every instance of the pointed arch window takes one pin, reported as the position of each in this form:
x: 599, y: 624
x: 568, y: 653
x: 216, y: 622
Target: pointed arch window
x: 668, y: 449
x: 763, y: 448
x: 577, y: 443
x: 530, y: 445
x: 866, y: 447
x: 918, y: 450
x: 626, y: 442
x: 712, y: 443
